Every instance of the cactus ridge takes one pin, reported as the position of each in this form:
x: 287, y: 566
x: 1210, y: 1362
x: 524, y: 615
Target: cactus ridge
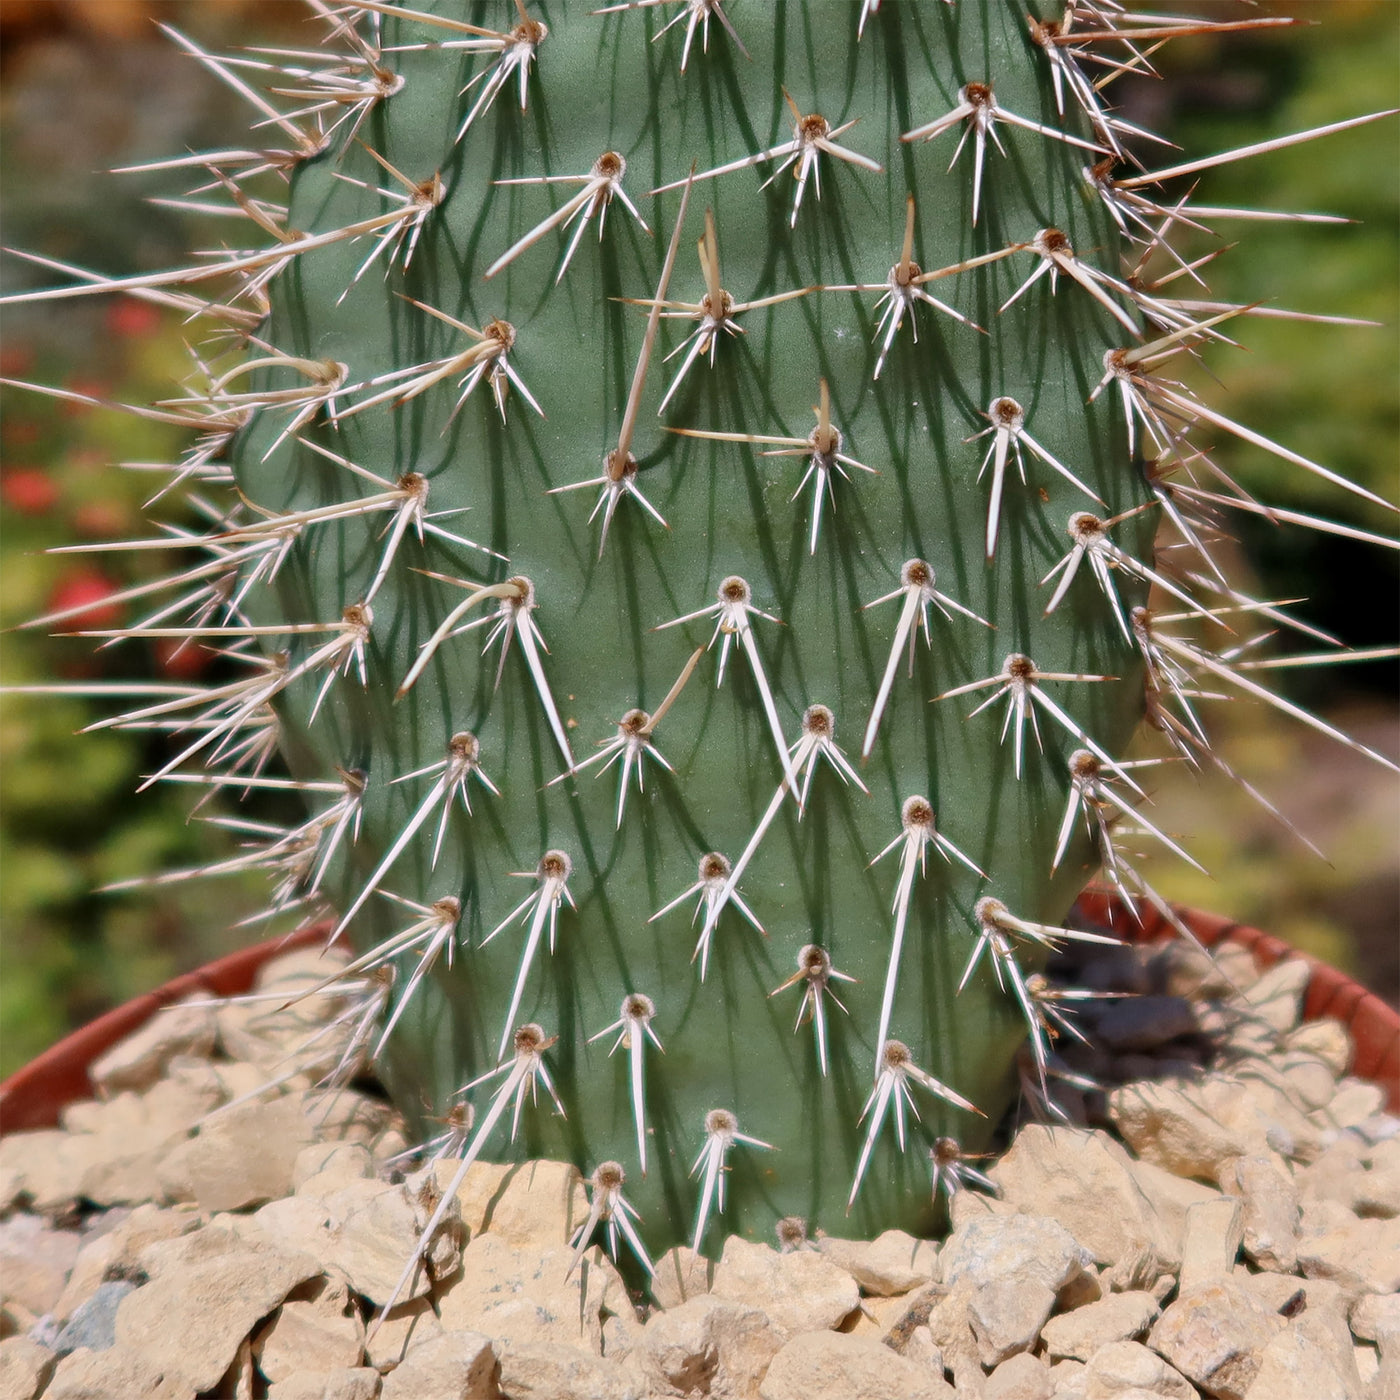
x: 556, y: 602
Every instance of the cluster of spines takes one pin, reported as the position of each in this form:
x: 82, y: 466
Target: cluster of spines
x: 233, y: 728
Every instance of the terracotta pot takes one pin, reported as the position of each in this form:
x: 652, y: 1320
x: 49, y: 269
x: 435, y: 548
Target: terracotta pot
x: 1374, y: 1025
x: 34, y: 1096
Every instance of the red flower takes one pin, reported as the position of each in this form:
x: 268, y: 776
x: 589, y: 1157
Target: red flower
x: 86, y: 586
x: 129, y: 318
x: 28, y: 490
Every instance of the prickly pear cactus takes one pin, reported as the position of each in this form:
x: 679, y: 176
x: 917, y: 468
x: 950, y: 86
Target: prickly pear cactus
x: 697, y: 542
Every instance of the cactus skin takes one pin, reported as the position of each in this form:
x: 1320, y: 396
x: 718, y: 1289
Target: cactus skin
x: 601, y: 84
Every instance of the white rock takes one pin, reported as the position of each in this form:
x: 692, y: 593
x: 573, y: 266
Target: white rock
x: 346, y: 1383
x: 203, y: 1299
x: 800, y: 1292
x: 887, y: 1266
x: 706, y: 1346
x: 529, y: 1296
x: 1355, y: 1101
x: 242, y: 1157
x: 1019, y: 1377
x: 186, y: 1028
x: 1307, y: 1359
x: 452, y: 1366
x: 317, y: 1329
x: 1214, y: 1229
x: 1184, y: 1126
x: 1376, y: 1318
x: 35, y: 1260
x: 1118, y: 1318
x: 25, y: 1368
x: 1215, y: 1334
x: 119, y: 1249
x: 550, y: 1371
x: 1363, y: 1258
x: 680, y: 1274
x: 524, y: 1205
x: 1328, y: 1039
x: 117, y: 1373
x: 1367, y: 1363
x: 320, y: 1164
x: 1276, y: 998
x: 1270, y: 1220
x: 1120, y: 1369
x: 1085, y: 1180
x: 407, y: 1325
x: 1016, y: 1265
x: 833, y: 1366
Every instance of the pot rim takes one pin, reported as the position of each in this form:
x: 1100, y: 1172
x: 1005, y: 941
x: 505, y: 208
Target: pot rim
x: 35, y: 1095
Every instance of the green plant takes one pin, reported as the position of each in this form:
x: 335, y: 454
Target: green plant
x: 446, y: 342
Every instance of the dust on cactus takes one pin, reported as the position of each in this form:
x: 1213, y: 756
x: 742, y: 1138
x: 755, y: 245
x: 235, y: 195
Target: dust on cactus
x: 700, y: 783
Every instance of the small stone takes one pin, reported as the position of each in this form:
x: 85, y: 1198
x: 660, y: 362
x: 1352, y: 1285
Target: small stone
x: 1311, y: 1079
x: 25, y: 1368
x: 115, y: 1374
x: 320, y: 1164
x: 555, y: 1372
x: 1082, y: 1178
x: 316, y: 1329
x: 524, y: 1205
x: 530, y: 1297
x: 1118, y: 1318
x: 116, y: 1253
x: 1287, y: 1295
x: 1019, y: 1377
x: 1354, y: 1102
x: 456, y: 1365
x: 1122, y: 1369
x: 1363, y: 1257
x: 34, y: 1261
x: 1067, y: 1380
x: 187, y: 1028
x: 706, y: 1346
x: 1171, y: 1197
x: 1143, y: 1022
x: 344, y: 1383
x: 189, y: 1320
x: 1375, y: 1318
x: 680, y: 1274
x: 1270, y: 1217
x: 1214, y: 1230
x: 1183, y: 1126
x: 1310, y: 1359
x: 1276, y: 998
x: 923, y: 1351
x: 1215, y: 1335
x: 1367, y: 1363
x: 1385, y: 1384
x: 887, y: 1266
x: 94, y: 1324
x: 833, y: 1366
x: 1015, y: 1265
x: 242, y: 1157
x: 799, y: 1292
x: 1328, y: 1039
x: 404, y: 1327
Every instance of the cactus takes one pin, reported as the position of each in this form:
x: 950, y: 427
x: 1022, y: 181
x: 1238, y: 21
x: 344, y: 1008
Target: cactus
x: 701, y: 789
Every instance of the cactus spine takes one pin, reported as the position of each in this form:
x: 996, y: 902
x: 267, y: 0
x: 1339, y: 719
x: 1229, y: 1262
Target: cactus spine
x: 647, y: 697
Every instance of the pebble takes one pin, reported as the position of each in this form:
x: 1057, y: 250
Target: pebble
x: 706, y: 1346
x: 1214, y: 1230
x: 450, y: 1366
x: 1015, y: 1266
x: 1276, y: 998
x: 187, y: 1028
x: 1215, y: 1334
x: 1084, y: 1179
x: 1143, y: 1023
x: 344, y: 1383
x: 1376, y: 1318
x: 35, y: 1260
x: 1187, y: 1128
x: 833, y: 1366
x: 551, y: 1371
x: 801, y: 1291
x: 1078, y: 1334
x: 1019, y: 1377
x: 316, y: 1329
x: 1361, y: 1255
x: 25, y: 1367
x: 1122, y: 1369
x: 94, y: 1323
x: 1270, y: 1217
x: 115, y: 1374
x: 891, y: 1264
x: 681, y: 1274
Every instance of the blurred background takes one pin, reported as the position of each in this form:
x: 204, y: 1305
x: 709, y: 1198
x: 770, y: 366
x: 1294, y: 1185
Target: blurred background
x: 92, y: 84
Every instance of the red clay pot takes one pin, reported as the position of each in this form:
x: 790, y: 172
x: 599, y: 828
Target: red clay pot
x: 34, y: 1096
